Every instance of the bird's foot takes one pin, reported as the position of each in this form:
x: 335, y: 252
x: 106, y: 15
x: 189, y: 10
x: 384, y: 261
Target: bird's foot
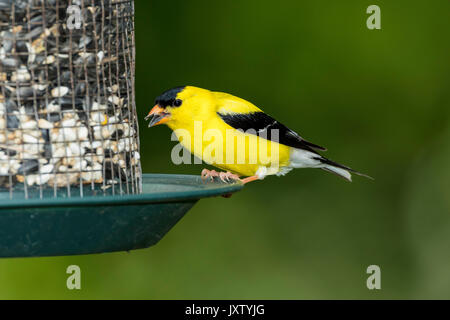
x: 207, y: 175
x: 228, y: 176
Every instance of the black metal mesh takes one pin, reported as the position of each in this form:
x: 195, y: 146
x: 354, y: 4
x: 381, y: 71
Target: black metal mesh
x: 68, y: 122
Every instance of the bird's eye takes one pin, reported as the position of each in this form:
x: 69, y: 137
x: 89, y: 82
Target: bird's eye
x: 177, y: 103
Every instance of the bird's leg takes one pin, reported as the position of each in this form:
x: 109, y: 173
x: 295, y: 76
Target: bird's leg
x: 224, y: 176
x: 249, y: 179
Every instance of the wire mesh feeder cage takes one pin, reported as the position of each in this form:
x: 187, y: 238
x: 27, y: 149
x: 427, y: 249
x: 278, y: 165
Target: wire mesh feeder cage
x: 69, y: 133
x: 68, y: 124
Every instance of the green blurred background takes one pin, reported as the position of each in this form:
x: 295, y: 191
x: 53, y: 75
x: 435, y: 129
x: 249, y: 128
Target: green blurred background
x: 378, y: 99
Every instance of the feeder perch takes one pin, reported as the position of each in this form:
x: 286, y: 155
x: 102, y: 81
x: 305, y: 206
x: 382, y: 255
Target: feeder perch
x: 70, y: 171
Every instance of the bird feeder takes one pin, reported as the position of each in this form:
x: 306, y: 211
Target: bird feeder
x: 70, y: 172
x: 66, y: 99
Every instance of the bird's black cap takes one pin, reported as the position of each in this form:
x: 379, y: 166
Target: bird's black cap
x: 168, y: 97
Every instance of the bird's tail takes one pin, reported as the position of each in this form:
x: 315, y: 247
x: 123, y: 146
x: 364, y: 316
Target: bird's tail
x: 339, y: 169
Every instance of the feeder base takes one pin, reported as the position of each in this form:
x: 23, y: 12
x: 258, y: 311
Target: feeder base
x: 95, y: 224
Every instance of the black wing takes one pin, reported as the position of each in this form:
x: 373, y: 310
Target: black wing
x: 262, y: 125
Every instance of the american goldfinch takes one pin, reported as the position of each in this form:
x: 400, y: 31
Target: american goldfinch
x: 201, y: 118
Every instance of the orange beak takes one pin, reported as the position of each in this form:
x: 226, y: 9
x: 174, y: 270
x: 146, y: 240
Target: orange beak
x: 157, y: 116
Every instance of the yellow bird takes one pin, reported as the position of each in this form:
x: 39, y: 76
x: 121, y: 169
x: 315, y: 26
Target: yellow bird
x: 236, y: 136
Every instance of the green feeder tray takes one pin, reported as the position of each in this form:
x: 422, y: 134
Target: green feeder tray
x: 102, y: 223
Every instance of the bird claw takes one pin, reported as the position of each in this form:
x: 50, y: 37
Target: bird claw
x: 228, y: 176
x: 209, y: 175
